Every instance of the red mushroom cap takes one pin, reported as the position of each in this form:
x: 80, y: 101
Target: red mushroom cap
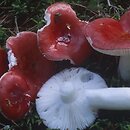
x: 62, y: 37
x: 106, y: 35
x: 125, y: 21
x: 3, y: 62
x: 30, y: 61
x: 14, y: 100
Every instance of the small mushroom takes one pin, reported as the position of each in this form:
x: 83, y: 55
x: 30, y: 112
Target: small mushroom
x: 3, y: 62
x: 62, y: 37
x: 25, y: 57
x: 62, y: 102
x: 14, y: 97
x: 107, y: 36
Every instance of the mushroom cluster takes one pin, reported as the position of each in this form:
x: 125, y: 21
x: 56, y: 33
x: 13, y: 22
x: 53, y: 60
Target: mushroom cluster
x: 71, y: 98
x: 31, y: 56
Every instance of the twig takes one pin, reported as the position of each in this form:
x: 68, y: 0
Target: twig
x: 108, y: 2
x: 15, y: 123
x: 11, y: 31
x: 16, y: 24
x: 116, y: 9
x: 1, y: 21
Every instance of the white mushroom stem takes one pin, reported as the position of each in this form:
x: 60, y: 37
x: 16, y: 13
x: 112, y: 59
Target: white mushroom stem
x: 109, y: 98
x: 124, y: 67
x: 68, y: 92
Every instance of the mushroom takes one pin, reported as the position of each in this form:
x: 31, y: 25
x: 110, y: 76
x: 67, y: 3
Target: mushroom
x: 108, y: 36
x: 62, y: 37
x: 3, y: 62
x: 14, y: 97
x: 62, y: 103
x: 71, y: 99
x: 25, y: 57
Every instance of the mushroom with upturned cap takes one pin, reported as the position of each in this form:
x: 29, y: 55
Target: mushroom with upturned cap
x: 108, y: 36
x: 62, y: 103
x: 62, y: 38
x: 71, y: 99
x: 25, y: 57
